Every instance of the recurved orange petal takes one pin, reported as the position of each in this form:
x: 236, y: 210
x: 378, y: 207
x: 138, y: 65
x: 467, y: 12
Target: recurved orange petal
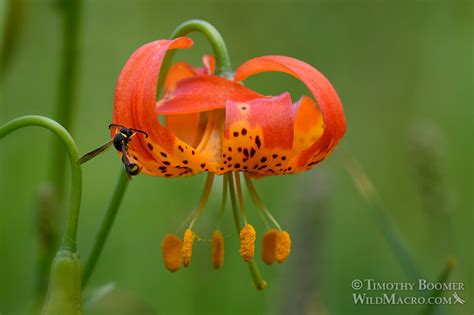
x: 323, y: 92
x: 203, y: 93
x: 162, y: 153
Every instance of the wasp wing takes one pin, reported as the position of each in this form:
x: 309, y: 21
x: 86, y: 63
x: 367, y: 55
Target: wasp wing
x: 86, y: 157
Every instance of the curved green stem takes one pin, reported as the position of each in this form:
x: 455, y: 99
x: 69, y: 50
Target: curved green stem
x: 259, y: 282
x: 107, y: 221
x: 223, y: 65
x: 69, y: 239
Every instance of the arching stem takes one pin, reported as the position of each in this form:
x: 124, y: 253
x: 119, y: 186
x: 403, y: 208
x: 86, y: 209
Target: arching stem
x: 69, y: 238
x: 223, y: 65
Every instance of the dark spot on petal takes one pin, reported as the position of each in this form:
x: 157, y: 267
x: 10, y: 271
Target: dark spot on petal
x: 252, y: 152
x: 239, y: 150
x: 244, y: 131
x: 237, y: 165
x: 185, y: 162
x: 230, y: 149
x: 278, y: 164
x: 274, y: 156
x: 236, y: 134
x: 166, y: 163
x: 162, y: 168
x: 163, y: 154
x: 150, y: 146
x: 229, y: 158
x: 258, y: 142
x: 180, y: 148
x: 246, y: 152
x: 203, y: 165
x: 263, y: 159
x: 283, y: 158
x: 193, y: 152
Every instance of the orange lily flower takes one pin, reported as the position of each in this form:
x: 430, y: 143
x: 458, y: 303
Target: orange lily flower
x: 217, y: 125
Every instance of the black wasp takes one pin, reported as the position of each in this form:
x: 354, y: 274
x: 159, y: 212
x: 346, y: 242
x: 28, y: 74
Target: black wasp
x: 120, y: 142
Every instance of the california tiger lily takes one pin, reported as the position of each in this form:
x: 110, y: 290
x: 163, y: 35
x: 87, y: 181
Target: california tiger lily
x: 215, y: 124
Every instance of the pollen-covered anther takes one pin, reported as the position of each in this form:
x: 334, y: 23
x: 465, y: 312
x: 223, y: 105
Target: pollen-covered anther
x: 171, y: 249
x: 283, y: 246
x: 217, y: 249
x: 247, y: 242
x: 269, y: 246
x: 187, y: 250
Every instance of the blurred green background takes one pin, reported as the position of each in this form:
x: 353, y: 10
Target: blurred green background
x: 404, y: 72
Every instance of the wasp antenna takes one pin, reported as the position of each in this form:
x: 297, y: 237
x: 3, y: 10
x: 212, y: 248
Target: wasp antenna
x: 117, y: 125
x: 141, y: 131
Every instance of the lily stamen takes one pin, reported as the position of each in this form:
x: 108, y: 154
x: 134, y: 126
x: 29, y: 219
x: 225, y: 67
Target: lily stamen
x: 204, y: 198
x: 259, y: 203
x: 187, y: 249
x: 240, y: 197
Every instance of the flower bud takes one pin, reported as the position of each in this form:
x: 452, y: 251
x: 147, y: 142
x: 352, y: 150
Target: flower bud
x: 171, y: 249
x: 64, y: 291
x: 247, y: 242
x: 217, y: 249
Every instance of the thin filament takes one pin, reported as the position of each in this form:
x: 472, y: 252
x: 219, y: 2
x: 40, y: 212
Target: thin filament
x: 223, y: 201
x: 204, y: 198
x: 258, y: 202
x: 240, y: 196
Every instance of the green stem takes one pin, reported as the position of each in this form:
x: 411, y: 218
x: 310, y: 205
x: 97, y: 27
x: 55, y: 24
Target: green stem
x: 69, y: 239
x: 259, y: 282
x: 223, y: 65
x: 70, y: 15
x: 106, y: 224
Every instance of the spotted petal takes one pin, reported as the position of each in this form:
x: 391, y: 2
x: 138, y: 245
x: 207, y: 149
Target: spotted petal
x: 322, y: 91
x: 258, y: 136
x: 162, y: 153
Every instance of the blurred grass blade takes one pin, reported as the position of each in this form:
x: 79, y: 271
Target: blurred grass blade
x: 443, y: 278
x: 11, y: 17
x: 387, y: 228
